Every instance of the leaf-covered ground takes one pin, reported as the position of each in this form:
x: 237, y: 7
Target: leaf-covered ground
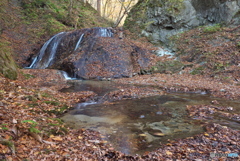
x: 212, y: 50
x: 30, y: 127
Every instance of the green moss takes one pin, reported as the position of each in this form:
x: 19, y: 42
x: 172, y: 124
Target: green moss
x: 7, y: 65
x: 212, y: 29
x: 34, y: 130
x: 57, y: 119
x: 137, y: 18
x: 198, y: 70
x: 168, y: 66
x: 33, y: 104
x: 53, y: 26
x: 174, y: 7
x: 8, y: 144
x: 137, y: 14
x: 30, y: 122
x: 3, y: 127
x: 56, y: 15
x: 31, y: 98
x: 52, y: 103
x: 46, y: 95
x: 28, y: 76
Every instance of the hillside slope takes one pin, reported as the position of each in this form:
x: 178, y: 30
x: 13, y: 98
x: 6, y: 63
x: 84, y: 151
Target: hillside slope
x: 27, y: 24
x: 202, y: 34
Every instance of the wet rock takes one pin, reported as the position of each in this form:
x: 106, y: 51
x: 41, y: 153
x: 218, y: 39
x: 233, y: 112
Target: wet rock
x: 93, y: 54
x: 107, y: 58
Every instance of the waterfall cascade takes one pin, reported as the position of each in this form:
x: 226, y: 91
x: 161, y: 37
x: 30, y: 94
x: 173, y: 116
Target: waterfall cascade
x: 79, y: 41
x: 66, y: 76
x: 49, y: 50
x: 93, y: 53
x: 38, y: 61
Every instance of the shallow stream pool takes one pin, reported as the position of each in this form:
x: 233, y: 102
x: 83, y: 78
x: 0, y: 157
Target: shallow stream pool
x: 135, y: 126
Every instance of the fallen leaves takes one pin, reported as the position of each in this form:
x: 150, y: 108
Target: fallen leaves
x: 56, y: 138
x: 209, y: 111
x: 169, y: 153
x: 186, y: 83
x: 25, y: 108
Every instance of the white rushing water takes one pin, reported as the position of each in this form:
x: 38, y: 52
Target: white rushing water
x: 84, y: 104
x: 104, y: 32
x: 38, y: 59
x: 163, y: 52
x: 65, y: 75
x: 47, y: 53
x: 34, y: 61
x: 79, y: 41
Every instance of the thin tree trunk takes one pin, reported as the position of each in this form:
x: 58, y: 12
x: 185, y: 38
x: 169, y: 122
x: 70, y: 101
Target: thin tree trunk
x: 125, y: 12
x: 99, y: 6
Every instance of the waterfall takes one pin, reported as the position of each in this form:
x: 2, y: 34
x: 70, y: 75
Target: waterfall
x: 163, y: 52
x: 64, y: 44
x: 79, y: 41
x: 65, y: 75
x: 104, y: 32
x: 84, y: 104
x: 37, y: 61
x: 34, y: 61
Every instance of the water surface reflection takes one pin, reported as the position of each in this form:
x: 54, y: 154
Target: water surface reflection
x: 139, y: 125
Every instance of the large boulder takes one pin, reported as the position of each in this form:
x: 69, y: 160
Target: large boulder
x: 93, y: 54
x: 160, y: 19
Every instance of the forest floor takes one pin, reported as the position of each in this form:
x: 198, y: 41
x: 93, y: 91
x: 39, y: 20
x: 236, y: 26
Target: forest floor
x: 30, y: 127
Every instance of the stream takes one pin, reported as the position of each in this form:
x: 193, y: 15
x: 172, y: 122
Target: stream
x: 135, y: 126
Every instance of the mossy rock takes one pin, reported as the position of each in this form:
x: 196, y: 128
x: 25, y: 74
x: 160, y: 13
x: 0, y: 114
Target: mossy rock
x: 168, y: 67
x: 7, y: 65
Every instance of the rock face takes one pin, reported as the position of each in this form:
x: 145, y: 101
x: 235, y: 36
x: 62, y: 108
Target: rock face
x: 93, y: 54
x: 160, y: 19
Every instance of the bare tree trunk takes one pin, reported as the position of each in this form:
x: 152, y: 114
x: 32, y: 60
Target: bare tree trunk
x: 104, y: 11
x: 124, y: 11
x: 99, y: 6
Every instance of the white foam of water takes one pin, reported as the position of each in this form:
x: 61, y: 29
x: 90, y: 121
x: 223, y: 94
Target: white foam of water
x: 79, y: 41
x: 65, y: 75
x: 53, y: 52
x: 104, y: 32
x: 84, y: 104
x: 163, y: 52
x: 42, y: 52
x: 34, y: 61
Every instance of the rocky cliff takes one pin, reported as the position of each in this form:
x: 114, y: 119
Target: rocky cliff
x: 160, y: 19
